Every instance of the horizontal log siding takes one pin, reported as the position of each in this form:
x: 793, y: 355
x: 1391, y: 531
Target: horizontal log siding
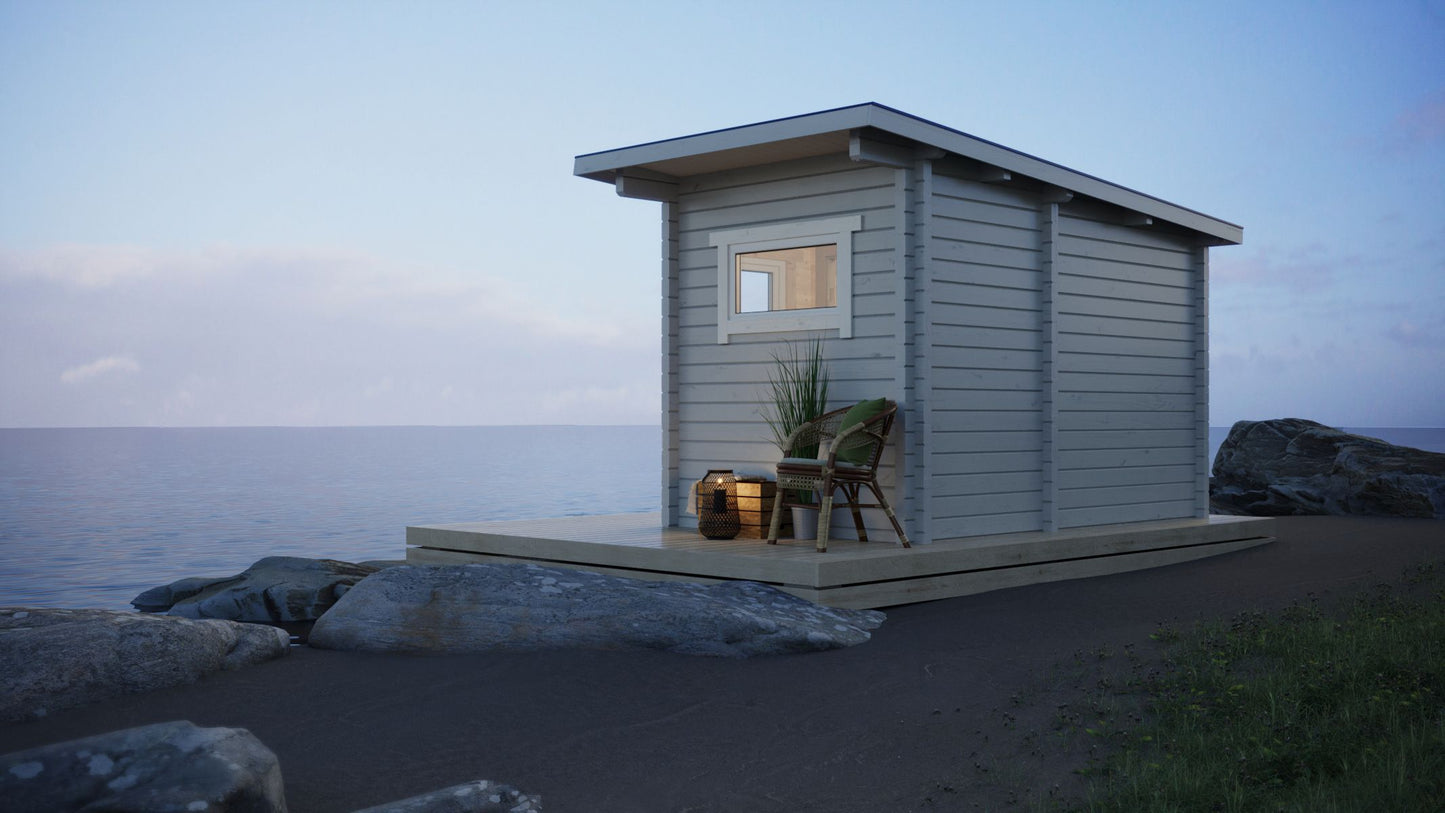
x: 670, y: 498
x: 912, y: 187
x: 984, y: 351
x: 1126, y: 382
x: 721, y: 388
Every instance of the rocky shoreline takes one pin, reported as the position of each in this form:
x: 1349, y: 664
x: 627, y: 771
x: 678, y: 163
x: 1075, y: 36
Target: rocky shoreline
x: 54, y: 659
x: 1296, y: 467
x: 942, y: 703
x: 57, y: 658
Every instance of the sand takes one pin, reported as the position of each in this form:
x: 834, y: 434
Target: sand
x: 959, y: 704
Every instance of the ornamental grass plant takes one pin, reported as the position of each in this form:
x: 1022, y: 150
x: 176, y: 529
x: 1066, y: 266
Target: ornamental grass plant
x: 798, y: 394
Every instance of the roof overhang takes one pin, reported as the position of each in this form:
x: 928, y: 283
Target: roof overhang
x: 867, y: 132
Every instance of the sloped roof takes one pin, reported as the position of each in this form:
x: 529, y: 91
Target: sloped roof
x: 834, y: 131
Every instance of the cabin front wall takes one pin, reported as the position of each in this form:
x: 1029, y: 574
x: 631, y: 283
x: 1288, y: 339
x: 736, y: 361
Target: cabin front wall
x: 714, y: 393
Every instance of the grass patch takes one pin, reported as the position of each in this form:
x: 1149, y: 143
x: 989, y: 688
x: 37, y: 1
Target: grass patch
x: 1297, y: 711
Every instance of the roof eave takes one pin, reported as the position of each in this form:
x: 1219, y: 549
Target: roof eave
x: 605, y: 166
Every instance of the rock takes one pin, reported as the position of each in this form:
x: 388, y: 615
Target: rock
x: 480, y: 796
x: 1294, y: 466
x: 162, y: 767
x: 160, y: 599
x: 276, y: 589
x: 52, y: 659
x: 488, y: 607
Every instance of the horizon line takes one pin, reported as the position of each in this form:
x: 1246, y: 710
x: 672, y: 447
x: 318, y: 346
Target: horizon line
x: 517, y: 425
x: 342, y: 426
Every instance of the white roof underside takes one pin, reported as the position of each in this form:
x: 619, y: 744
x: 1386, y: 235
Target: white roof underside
x: 829, y: 131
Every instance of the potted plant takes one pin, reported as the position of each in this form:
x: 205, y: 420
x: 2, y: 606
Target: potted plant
x: 798, y: 395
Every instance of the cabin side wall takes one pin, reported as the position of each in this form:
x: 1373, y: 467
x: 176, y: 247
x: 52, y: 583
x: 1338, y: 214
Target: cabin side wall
x: 984, y: 348
x: 1132, y: 391
x: 718, y: 390
x: 1064, y: 358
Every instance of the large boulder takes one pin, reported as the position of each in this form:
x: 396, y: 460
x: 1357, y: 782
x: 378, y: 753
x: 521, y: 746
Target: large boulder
x: 276, y: 589
x: 1293, y: 466
x: 487, y: 607
x: 480, y: 796
x: 52, y: 659
x: 151, y: 769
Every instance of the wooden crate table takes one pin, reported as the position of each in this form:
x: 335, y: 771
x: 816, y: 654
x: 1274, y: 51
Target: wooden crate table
x: 755, y: 508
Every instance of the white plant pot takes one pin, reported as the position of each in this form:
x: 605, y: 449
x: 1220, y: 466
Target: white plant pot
x: 805, y: 522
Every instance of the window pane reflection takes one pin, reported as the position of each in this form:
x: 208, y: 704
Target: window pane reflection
x: 787, y: 279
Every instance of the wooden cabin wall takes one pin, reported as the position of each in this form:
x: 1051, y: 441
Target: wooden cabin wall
x: 718, y: 390
x: 982, y: 325
x: 1059, y: 368
x: 1003, y: 431
x: 1129, y: 400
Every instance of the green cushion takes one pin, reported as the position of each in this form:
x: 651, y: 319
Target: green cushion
x: 860, y: 412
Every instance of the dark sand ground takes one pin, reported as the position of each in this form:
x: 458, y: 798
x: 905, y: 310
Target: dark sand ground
x: 963, y: 704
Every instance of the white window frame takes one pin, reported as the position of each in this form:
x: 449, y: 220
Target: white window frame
x: 774, y: 237
x: 775, y: 281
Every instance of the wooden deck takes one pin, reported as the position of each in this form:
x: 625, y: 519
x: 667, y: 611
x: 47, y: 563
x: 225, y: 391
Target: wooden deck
x: 851, y: 574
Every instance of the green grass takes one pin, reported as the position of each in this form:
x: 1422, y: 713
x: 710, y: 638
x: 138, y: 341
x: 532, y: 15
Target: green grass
x: 1297, y: 711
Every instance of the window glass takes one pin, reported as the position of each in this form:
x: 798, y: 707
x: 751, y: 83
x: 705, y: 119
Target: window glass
x: 755, y: 291
x: 787, y: 279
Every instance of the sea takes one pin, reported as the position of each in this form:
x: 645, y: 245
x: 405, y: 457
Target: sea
x: 93, y: 517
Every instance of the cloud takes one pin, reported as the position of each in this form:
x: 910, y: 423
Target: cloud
x: 606, y: 404
x: 109, y: 364
x: 326, y: 281
x: 1313, y: 266
x: 1422, y: 125
x: 86, y: 266
x: 298, y: 336
x: 1412, y: 334
x: 1363, y: 382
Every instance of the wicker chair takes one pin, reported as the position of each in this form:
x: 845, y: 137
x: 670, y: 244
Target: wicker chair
x: 862, y: 441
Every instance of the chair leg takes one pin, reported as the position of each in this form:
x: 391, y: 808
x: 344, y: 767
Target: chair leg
x: 825, y: 514
x: 888, y: 509
x: 853, y: 494
x: 776, y: 526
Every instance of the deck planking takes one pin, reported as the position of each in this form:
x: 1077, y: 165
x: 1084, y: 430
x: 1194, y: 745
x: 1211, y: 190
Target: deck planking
x: 850, y: 574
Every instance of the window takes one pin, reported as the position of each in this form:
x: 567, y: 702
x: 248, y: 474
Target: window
x: 787, y: 279
x: 788, y: 276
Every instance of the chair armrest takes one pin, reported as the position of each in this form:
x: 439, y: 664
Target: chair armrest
x: 838, y: 443
x: 868, y: 427
x: 819, y: 431
x: 792, y: 438
x: 838, y: 439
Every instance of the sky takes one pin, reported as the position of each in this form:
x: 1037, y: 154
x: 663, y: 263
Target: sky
x: 224, y: 214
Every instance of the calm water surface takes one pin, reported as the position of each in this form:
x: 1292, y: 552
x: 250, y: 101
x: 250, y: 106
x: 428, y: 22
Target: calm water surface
x: 91, y: 517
